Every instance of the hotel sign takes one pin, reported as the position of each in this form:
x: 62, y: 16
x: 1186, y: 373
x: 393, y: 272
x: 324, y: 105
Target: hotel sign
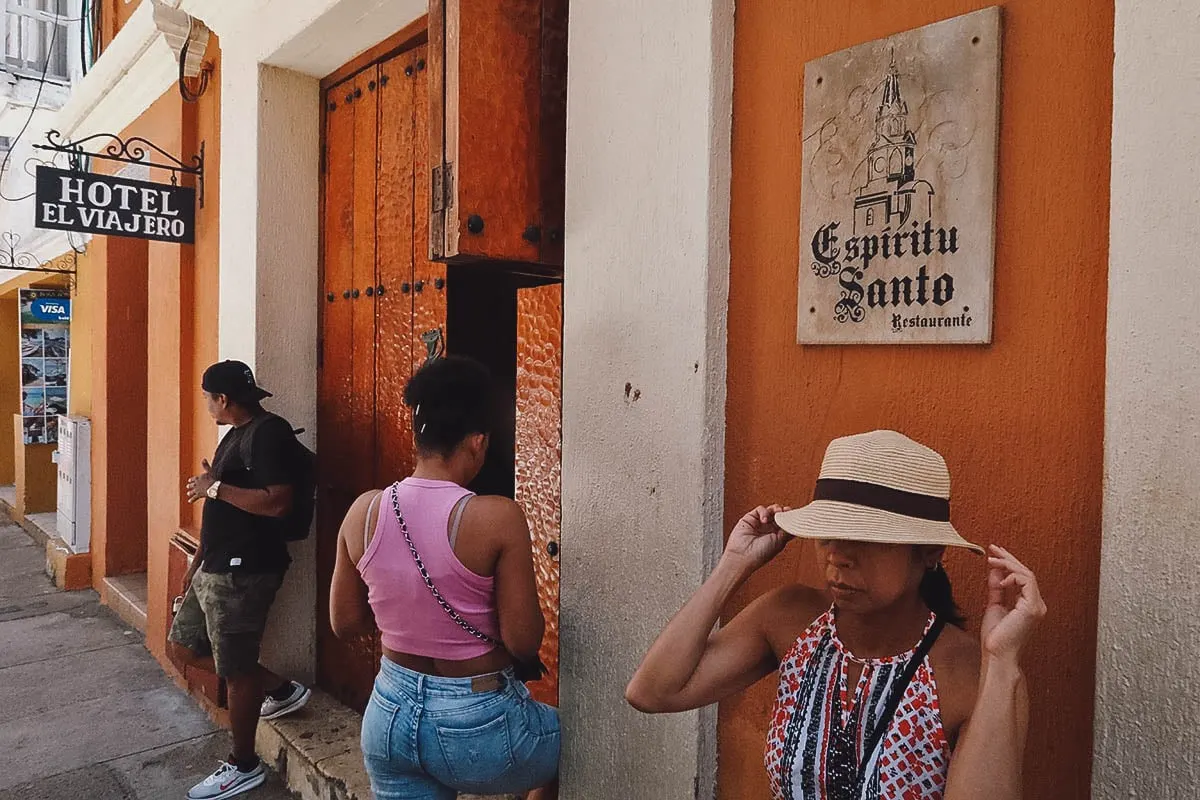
x: 898, y: 195
x: 86, y: 202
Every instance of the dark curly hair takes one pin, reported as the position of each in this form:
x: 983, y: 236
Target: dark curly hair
x: 451, y: 399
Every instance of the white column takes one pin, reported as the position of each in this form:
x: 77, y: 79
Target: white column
x: 647, y: 269
x: 270, y: 152
x: 1148, y: 674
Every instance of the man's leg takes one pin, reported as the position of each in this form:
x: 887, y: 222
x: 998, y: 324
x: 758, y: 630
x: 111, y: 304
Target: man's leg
x: 245, y: 703
x: 272, y: 684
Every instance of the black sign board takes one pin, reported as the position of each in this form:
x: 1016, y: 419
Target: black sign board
x: 85, y: 202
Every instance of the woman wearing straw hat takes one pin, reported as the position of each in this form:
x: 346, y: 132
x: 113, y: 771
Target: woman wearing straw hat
x: 859, y: 714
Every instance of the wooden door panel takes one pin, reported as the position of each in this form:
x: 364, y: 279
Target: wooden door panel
x: 335, y: 382
x: 539, y: 454
x: 497, y: 70
x: 395, y: 245
x: 429, y: 299
x: 359, y: 659
x: 347, y: 403
x: 366, y: 135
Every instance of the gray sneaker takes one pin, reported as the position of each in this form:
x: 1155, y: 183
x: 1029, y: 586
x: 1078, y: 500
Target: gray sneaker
x: 228, y: 781
x: 274, y: 709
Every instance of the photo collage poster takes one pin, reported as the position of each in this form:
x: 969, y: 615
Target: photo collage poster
x: 45, y: 348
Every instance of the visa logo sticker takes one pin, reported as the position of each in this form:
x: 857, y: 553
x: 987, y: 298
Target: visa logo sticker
x: 52, y: 309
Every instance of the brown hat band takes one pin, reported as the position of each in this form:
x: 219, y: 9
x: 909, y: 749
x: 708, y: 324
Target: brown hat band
x: 884, y: 498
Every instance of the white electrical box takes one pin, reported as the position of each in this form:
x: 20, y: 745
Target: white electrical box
x: 74, y: 458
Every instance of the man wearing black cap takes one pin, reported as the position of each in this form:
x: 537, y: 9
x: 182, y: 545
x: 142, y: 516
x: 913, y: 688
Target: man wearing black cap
x: 240, y: 566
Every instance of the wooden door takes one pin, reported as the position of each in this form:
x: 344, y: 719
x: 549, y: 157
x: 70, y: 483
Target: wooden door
x: 498, y: 132
x: 369, y: 301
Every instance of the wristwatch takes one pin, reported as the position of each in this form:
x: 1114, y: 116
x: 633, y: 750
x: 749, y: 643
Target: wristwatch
x: 212, y: 490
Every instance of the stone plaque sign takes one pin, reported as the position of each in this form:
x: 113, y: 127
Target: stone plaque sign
x: 898, y: 198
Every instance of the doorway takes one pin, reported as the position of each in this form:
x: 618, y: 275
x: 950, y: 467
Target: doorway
x: 386, y: 309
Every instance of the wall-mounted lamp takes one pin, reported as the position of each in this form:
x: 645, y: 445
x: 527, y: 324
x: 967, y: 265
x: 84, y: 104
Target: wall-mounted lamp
x: 188, y: 38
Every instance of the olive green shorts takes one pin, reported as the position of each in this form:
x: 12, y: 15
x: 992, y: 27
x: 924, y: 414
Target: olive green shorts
x: 224, y: 614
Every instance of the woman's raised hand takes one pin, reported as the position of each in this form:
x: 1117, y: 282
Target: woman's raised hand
x: 756, y: 539
x: 1014, y: 606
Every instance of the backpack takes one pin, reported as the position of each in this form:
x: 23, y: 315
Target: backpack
x: 297, y: 523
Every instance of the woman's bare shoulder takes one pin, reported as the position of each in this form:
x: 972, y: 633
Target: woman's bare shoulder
x: 955, y: 661
x: 787, y: 612
x: 956, y: 654
x: 497, y: 518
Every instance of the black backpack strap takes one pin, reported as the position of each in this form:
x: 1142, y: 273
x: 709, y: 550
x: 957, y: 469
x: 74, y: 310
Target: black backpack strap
x: 245, y: 446
x: 898, y: 690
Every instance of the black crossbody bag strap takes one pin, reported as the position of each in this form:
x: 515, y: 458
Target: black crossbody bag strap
x: 525, y: 671
x: 441, y: 601
x: 898, y: 690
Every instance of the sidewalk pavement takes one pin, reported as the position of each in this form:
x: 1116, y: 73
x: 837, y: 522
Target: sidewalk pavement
x: 85, y: 711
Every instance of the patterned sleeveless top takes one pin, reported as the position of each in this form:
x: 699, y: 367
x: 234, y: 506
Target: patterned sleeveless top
x: 819, y: 729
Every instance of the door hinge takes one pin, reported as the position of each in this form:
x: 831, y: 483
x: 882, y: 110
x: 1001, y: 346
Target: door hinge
x: 324, y: 159
x: 442, y: 190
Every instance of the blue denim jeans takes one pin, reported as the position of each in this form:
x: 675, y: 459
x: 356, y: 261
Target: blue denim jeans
x: 429, y: 738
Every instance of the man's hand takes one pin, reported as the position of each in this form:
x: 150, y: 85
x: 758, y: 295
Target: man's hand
x: 198, y: 485
x: 187, y: 578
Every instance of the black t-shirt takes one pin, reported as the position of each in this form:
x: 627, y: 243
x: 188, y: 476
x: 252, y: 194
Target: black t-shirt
x: 233, y: 540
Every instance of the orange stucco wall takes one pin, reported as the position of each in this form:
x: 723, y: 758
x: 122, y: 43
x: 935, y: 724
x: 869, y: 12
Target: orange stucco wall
x: 79, y: 388
x: 10, y: 386
x: 114, y: 14
x: 183, y: 286
x: 1020, y: 422
x: 118, y: 305
x: 169, y: 274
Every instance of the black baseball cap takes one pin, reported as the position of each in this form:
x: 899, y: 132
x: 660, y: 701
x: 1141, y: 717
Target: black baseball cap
x: 235, y: 380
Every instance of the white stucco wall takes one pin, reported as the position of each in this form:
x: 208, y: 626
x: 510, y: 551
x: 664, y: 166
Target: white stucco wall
x: 270, y: 223
x: 1148, y: 674
x: 270, y: 151
x: 646, y: 289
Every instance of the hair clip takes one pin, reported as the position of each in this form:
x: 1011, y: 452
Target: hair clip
x: 422, y: 429
x: 418, y: 410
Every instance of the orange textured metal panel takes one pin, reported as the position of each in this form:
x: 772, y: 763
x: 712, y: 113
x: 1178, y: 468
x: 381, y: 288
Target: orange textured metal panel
x: 490, y: 67
x: 539, y: 453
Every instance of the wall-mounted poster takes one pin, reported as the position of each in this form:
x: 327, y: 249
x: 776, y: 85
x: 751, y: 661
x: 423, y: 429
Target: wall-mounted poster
x: 898, y: 197
x: 45, y: 351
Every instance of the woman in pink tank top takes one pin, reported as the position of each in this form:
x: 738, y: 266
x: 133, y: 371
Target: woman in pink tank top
x: 447, y: 579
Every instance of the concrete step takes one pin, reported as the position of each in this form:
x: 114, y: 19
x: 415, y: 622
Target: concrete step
x: 316, y: 752
x: 126, y: 595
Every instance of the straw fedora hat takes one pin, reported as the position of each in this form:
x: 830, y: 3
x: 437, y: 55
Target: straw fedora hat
x: 879, y: 487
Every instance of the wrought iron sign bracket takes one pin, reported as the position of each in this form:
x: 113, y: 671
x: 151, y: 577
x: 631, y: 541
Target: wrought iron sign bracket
x: 12, y: 258
x: 134, y: 150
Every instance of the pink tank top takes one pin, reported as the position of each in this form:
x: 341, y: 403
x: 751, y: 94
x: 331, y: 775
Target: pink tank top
x: 408, y: 616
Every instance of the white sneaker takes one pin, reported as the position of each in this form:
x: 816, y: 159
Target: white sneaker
x: 274, y: 709
x: 228, y: 781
